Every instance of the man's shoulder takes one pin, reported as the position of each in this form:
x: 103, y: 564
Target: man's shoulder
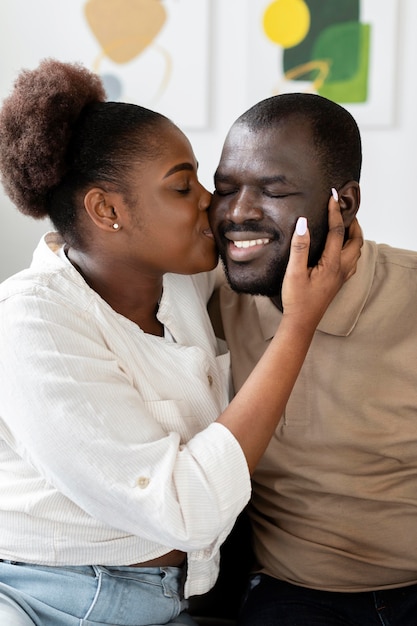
x: 397, y: 256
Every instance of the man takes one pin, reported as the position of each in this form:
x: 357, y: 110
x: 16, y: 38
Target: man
x: 334, y: 507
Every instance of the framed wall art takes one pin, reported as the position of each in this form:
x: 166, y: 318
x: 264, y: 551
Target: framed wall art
x: 344, y: 50
x: 149, y: 52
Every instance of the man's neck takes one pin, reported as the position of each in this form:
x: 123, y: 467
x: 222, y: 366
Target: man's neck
x: 276, y: 301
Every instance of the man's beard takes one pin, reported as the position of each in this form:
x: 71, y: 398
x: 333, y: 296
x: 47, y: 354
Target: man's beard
x: 269, y: 283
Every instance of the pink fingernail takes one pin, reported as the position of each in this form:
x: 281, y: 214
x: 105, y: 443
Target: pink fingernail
x: 335, y: 194
x: 301, y: 226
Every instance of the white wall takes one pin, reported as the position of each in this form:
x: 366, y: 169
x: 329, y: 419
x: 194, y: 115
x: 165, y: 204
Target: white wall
x: 387, y: 212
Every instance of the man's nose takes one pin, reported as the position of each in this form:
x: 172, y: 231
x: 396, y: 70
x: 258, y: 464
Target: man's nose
x: 243, y: 207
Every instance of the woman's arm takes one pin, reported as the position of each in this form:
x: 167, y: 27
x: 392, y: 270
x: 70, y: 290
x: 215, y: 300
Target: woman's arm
x: 73, y: 413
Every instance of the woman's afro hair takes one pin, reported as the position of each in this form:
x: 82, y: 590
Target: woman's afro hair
x: 36, y: 126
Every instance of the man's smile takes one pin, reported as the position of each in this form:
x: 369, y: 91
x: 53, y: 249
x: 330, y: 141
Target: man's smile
x: 241, y: 247
x: 249, y: 243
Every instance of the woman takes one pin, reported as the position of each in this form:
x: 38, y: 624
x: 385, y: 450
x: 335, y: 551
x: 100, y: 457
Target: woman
x: 123, y: 468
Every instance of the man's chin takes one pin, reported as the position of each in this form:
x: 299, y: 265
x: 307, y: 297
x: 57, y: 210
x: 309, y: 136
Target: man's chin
x: 254, y: 290
x: 249, y: 279
x: 253, y: 287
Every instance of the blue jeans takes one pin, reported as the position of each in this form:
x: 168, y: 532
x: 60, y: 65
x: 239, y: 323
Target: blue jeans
x: 271, y: 602
x: 91, y: 596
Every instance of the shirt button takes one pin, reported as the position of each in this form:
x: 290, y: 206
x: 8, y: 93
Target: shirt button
x: 142, y: 482
x: 210, y: 380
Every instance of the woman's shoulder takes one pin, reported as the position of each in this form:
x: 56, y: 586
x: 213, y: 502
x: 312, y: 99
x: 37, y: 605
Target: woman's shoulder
x: 203, y: 284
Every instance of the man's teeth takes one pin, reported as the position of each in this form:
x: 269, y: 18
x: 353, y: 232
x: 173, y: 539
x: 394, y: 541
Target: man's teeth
x: 250, y: 243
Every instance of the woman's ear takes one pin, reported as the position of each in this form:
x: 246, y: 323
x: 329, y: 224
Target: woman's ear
x: 349, y: 201
x: 99, y: 205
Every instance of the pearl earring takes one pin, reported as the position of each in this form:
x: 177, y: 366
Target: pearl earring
x: 115, y: 226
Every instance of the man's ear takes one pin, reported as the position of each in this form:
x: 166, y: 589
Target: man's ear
x: 349, y: 201
x: 99, y: 205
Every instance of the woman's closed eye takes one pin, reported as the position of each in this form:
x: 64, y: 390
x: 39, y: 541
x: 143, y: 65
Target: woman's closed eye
x: 183, y: 190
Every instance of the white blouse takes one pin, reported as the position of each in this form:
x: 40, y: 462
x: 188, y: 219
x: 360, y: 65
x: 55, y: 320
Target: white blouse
x: 108, y: 453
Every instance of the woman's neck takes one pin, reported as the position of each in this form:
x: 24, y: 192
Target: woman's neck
x: 130, y: 293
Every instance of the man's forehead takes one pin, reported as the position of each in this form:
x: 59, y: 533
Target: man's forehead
x: 279, y: 150
x: 242, y: 132
x: 244, y: 144
x: 292, y: 130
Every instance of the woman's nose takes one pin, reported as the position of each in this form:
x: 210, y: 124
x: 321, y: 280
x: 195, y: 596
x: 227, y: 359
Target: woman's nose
x: 205, y: 199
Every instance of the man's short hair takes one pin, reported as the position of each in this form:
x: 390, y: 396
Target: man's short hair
x: 335, y: 132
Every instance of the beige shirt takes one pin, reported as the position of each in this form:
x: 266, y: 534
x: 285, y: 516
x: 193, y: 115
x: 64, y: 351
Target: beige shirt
x: 335, y: 496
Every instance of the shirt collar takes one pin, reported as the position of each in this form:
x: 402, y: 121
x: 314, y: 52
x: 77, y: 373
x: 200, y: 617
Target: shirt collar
x: 343, y: 312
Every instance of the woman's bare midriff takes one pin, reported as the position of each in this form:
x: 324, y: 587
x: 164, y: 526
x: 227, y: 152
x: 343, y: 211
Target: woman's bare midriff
x: 175, y: 558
